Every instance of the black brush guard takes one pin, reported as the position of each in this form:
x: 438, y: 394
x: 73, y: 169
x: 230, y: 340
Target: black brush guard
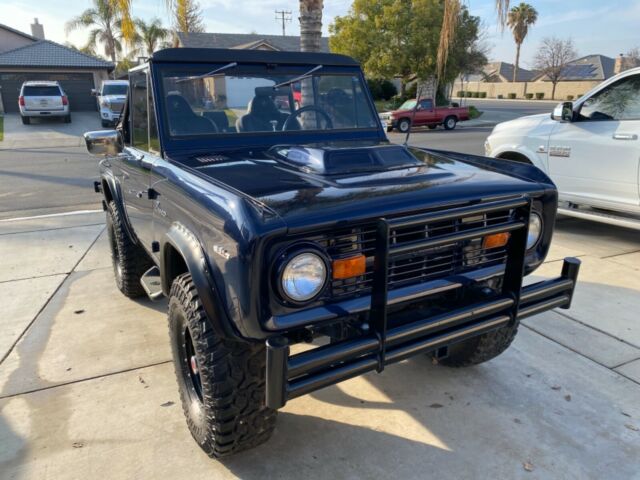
x: 289, y: 377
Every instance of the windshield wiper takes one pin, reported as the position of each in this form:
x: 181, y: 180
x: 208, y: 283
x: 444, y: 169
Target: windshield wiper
x: 209, y: 74
x: 297, y: 79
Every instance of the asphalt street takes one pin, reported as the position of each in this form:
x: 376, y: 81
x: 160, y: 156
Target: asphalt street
x: 44, y: 168
x: 503, y: 110
x: 42, y: 180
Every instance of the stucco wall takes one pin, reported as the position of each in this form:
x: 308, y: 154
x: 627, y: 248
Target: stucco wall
x: 10, y: 40
x: 520, y: 88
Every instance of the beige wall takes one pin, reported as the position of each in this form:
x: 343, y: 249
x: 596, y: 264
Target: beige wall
x: 520, y: 88
x: 10, y: 40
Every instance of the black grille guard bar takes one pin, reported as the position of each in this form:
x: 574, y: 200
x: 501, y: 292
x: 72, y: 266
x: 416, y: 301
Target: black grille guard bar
x: 291, y: 377
x: 288, y: 377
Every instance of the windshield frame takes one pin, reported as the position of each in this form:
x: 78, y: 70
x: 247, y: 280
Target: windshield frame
x: 267, y: 138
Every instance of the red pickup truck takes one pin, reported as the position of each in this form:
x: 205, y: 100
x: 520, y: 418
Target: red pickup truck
x: 426, y: 114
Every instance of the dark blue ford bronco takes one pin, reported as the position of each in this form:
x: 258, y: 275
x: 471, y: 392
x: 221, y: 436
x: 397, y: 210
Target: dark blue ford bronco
x: 258, y: 192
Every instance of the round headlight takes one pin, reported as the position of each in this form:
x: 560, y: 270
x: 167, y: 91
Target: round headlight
x: 535, y: 230
x: 303, y: 277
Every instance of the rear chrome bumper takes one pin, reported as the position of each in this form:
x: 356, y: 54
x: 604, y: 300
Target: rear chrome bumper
x: 288, y: 377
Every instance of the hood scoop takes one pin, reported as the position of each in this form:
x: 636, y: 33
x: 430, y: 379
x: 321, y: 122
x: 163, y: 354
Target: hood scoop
x: 343, y: 160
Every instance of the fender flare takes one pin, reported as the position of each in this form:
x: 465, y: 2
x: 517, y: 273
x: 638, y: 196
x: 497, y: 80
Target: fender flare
x: 118, y: 200
x: 188, y: 246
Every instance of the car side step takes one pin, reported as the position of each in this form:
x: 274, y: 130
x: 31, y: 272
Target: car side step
x: 151, y: 283
x: 610, y: 219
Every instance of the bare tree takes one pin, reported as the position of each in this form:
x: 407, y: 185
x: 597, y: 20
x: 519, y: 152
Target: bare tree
x: 552, y: 58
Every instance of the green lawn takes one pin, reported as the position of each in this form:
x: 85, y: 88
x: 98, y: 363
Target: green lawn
x: 1, y: 128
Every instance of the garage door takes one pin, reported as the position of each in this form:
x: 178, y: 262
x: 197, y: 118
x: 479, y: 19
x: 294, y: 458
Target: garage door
x: 77, y: 86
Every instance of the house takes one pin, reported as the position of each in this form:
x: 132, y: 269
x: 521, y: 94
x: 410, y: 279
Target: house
x: 244, y: 41
x: 578, y: 77
x: 500, y: 72
x: 31, y: 57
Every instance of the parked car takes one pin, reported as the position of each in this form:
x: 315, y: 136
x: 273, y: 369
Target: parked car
x: 43, y: 99
x: 590, y: 148
x: 111, y: 98
x: 290, y: 227
x: 425, y: 114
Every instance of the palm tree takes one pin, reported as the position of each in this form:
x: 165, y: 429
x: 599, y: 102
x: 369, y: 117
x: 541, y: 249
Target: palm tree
x: 519, y: 20
x: 450, y: 20
x: 107, y: 25
x: 310, y: 25
x: 151, y: 34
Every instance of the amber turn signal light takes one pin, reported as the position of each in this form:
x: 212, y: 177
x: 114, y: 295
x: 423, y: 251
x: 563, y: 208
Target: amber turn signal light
x: 349, y: 267
x: 496, y: 240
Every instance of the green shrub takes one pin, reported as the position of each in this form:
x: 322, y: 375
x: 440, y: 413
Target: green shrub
x: 381, y: 89
x: 579, y: 95
x: 539, y: 95
x: 476, y: 94
x: 460, y: 93
x: 468, y: 94
x: 483, y: 94
x: 511, y: 96
x: 474, y: 112
x: 500, y: 96
x: 569, y: 97
x: 528, y: 96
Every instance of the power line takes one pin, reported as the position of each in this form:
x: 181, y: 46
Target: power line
x: 283, y: 16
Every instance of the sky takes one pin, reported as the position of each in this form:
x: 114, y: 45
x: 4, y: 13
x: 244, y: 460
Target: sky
x: 607, y: 27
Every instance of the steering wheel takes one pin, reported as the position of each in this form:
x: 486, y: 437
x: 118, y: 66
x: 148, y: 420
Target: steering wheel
x: 309, y: 108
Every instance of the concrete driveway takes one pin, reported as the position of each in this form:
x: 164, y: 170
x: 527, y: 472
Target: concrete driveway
x: 48, y: 132
x: 87, y: 389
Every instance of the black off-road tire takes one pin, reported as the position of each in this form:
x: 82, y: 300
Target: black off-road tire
x: 104, y: 124
x: 403, y: 125
x: 480, y: 349
x: 221, y: 382
x: 26, y: 120
x: 67, y: 119
x: 129, y: 259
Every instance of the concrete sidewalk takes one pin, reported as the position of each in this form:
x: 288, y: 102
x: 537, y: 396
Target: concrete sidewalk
x: 49, y: 132
x: 88, y: 390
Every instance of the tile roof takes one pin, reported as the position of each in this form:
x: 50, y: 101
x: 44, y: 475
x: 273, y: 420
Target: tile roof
x: 290, y: 43
x: 588, y: 68
x: 45, y: 53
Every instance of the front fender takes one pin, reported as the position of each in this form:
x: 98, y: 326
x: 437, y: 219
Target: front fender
x: 109, y: 181
x: 188, y: 246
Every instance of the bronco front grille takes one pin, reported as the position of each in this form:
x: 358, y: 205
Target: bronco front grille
x: 414, y: 266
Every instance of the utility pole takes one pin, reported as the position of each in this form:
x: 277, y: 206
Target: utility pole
x: 283, y: 16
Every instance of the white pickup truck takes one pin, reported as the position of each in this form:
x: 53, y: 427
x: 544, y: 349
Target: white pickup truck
x: 590, y: 149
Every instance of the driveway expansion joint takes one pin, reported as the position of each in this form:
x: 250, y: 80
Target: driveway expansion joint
x: 577, y: 352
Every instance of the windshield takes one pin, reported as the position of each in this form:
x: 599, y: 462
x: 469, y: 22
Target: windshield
x: 234, y: 103
x: 114, y: 89
x: 408, y: 105
x: 41, y: 91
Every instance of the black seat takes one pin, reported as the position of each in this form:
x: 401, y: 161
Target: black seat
x: 183, y: 120
x: 261, y: 112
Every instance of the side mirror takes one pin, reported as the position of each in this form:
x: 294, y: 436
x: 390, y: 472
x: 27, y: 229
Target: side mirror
x: 94, y: 93
x: 104, y: 143
x: 563, y: 112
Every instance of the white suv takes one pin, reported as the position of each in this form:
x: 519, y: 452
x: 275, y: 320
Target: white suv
x: 43, y: 99
x: 590, y: 149
x: 111, y: 98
